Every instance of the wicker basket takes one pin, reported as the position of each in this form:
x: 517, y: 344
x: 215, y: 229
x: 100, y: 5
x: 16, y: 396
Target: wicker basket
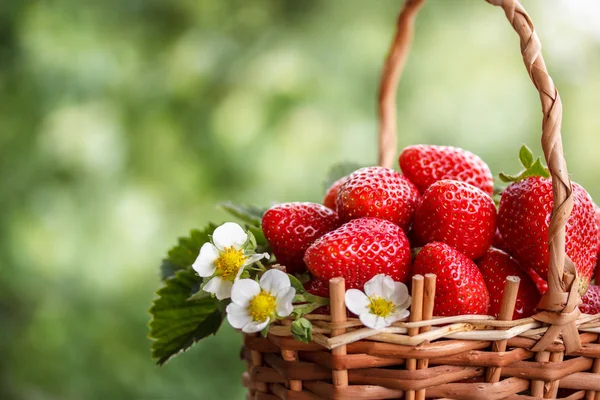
x: 464, y: 357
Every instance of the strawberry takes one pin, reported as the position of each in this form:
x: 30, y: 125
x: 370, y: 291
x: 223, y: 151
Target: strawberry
x: 597, y: 219
x: 321, y: 289
x: 460, y: 285
x: 290, y: 228
x: 524, y: 218
x: 540, y: 283
x: 425, y: 164
x: 317, y: 287
x: 590, y: 303
x: 331, y: 195
x: 359, y: 250
x: 377, y: 192
x: 498, y: 241
x: 458, y: 214
x: 496, y: 266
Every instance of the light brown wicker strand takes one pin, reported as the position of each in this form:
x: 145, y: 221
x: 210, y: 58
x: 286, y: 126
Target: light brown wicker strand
x: 591, y: 395
x: 392, y: 70
x: 337, y: 304
x: 537, y: 386
x: 416, y: 313
x: 291, y: 355
x: 552, y: 387
x: 507, y: 308
x: 428, y: 303
x: 257, y: 361
x: 561, y: 275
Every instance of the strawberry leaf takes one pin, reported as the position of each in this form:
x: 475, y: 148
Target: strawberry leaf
x: 302, y: 330
x: 183, y: 255
x: 259, y: 237
x: 526, y: 156
x: 296, y: 284
x: 178, y: 322
x: 252, y: 215
x: 532, y: 168
x: 537, y: 169
x: 338, y: 171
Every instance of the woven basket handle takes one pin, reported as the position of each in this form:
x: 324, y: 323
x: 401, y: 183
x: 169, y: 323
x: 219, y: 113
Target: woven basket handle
x: 561, y: 300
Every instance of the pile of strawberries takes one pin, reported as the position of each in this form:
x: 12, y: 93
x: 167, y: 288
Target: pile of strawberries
x: 439, y: 217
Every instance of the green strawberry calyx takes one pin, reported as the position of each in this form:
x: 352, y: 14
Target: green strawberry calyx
x: 532, y: 168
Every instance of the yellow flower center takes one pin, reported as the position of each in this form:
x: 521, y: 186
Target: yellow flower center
x: 229, y: 263
x: 380, y: 306
x: 262, y: 306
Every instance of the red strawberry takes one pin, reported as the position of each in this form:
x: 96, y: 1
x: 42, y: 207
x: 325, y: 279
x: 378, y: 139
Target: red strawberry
x: 524, y: 217
x: 321, y: 289
x: 496, y: 266
x: 498, y: 241
x: 380, y: 193
x: 359, y: 250
x: 597, y: 211
x: 460, y: 288
x: 331, y: 195
x: 424, y: 165
x: 540, y: 283
x: 317, y: 287
x: 457, y: 214
x: 590, y: 303
x: 291, y: 227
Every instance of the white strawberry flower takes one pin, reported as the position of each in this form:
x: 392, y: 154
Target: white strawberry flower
x: 224, y: 259
x: 254, y: 305
x: 383, y: 302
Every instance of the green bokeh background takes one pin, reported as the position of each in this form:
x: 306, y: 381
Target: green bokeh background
x: 123, y: 122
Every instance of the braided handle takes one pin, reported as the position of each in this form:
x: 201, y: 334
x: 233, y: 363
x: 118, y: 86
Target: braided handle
x: 561, y: 300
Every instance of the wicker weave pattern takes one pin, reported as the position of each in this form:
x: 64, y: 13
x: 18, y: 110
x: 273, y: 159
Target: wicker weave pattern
x: 451, y: 361
x: 463, y: 357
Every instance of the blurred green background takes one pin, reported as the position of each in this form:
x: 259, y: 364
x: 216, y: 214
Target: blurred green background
x: 123, y: 122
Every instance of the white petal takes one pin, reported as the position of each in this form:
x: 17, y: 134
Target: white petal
x: 212, y: 286
x: 256, y: 326
x: 205, y: 262
x: 219, y: 287
x: 256, y: 257
x: 380, y: 285
x: 284, y: 301
x: 237, y: 316
x: 357, y: 302
x: 397, y: 316
x: 274, y: 280
x: 405, y: 304
x: 400, y: 294
x: 229, y: 234
x: 372, y: 321
x: 243, y: 291
x: 239, y: 273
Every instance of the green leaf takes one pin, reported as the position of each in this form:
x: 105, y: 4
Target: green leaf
x: 302, y: 330
x: 183, y: 255
x: 532, y: 168
x: 340, y: 170
x: 251, y: 215
x: 265, y: 331
x: 526, y: 156
x: 296, y: 284
x: 259, y: 236
x: 178, y: 322
x: 537, y: 169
